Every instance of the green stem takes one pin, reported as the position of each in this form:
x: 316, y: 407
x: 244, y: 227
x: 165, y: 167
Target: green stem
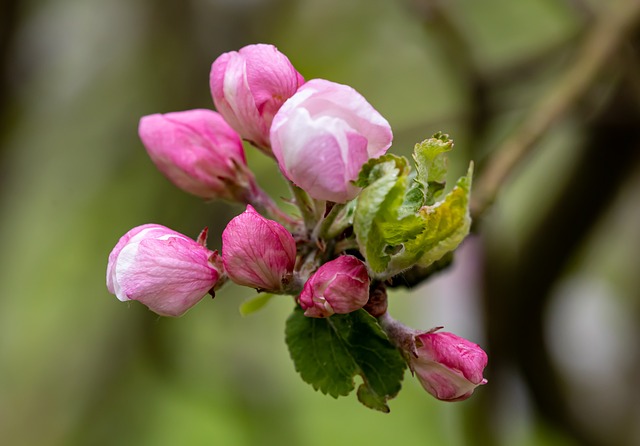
x: 321, y: 230
x: 263, y: 202
x: 345, y: 245
x: 308, y: 207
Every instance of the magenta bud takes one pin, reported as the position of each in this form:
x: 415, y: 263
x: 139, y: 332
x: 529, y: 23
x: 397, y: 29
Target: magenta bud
x: 339, y: 286
x: 198, y: 152
x: 257, y: 252
x: 448, y: 367
x: 249, y: 86
x: 323, y: 135
x: 165, y: 270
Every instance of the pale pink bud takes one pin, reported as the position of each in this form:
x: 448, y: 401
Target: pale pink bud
x: 323, y: 135
x: 339, y: 286
x: 257, y: 252
x: 448, y: 367
x: 249, y: 86
x: 197, y: 151
x: 165, y: 270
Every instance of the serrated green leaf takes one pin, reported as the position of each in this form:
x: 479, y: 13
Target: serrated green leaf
x: 396, y: 223
x: 376, y: 168
x: 376, y: 224
x: 414, y: 198
x: 329, y: 353
x: 431, y: 165
x: 447, y: 224
x: 255, y: 303
x: 401, y: 231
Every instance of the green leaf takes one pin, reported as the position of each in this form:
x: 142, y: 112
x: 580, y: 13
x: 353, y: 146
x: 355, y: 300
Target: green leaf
x: 414, y: 198
x: 343, y: 220
x: 329, y: 353
x: 431, y: 165
x: 377, y: 225
x: 255, y: 303
x: 447, y: 224
x: 378, y: 168
x: 396, y: 223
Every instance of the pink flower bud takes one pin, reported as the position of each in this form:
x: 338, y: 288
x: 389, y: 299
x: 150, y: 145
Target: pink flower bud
x: 249, y: 86
x: 323, y: 135
x: 339, y: 286
x: 197, y: 151
x: 163, y: 269
x: 448, y: 367
x: 257, y: 252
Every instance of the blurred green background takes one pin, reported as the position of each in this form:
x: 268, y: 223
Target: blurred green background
x: 548, y: 283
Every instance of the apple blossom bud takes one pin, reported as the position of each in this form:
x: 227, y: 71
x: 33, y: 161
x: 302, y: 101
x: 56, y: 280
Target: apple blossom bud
x: 323, y: 135
x: 165, y: 270
x: 257, y: 252
x: 448, y: 367
x: 248, y: 88
x: 339, y: 286
x: 198, y: 151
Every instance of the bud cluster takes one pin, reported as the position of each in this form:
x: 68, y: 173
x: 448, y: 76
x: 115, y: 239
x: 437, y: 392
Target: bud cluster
x: 321, y: 134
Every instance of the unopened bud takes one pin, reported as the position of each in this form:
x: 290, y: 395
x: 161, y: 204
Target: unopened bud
x: 199, y: 152
x: 448, y: 367
x: 339, y: 286
x: 248, y: 88
x: 165, y: 270
x: 323, y: 135
x: 258, y: 252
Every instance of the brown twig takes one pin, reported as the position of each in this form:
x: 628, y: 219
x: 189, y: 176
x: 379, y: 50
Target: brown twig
x: 600, y: 44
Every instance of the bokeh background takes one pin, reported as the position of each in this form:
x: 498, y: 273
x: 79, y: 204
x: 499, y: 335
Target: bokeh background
x: 548, y: 283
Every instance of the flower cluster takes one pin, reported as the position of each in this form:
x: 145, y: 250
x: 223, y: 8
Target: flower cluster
x: 323, y: 136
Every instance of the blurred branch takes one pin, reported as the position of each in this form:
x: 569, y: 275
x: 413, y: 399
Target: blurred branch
x: 602, y: 42
x: 516, y: 327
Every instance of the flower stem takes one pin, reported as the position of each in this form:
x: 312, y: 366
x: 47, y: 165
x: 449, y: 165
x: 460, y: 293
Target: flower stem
x: 308, y: 207
x: 345, y: 245
x: 321, y: 229
x: 263, y: 202
x: 399, y: 334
